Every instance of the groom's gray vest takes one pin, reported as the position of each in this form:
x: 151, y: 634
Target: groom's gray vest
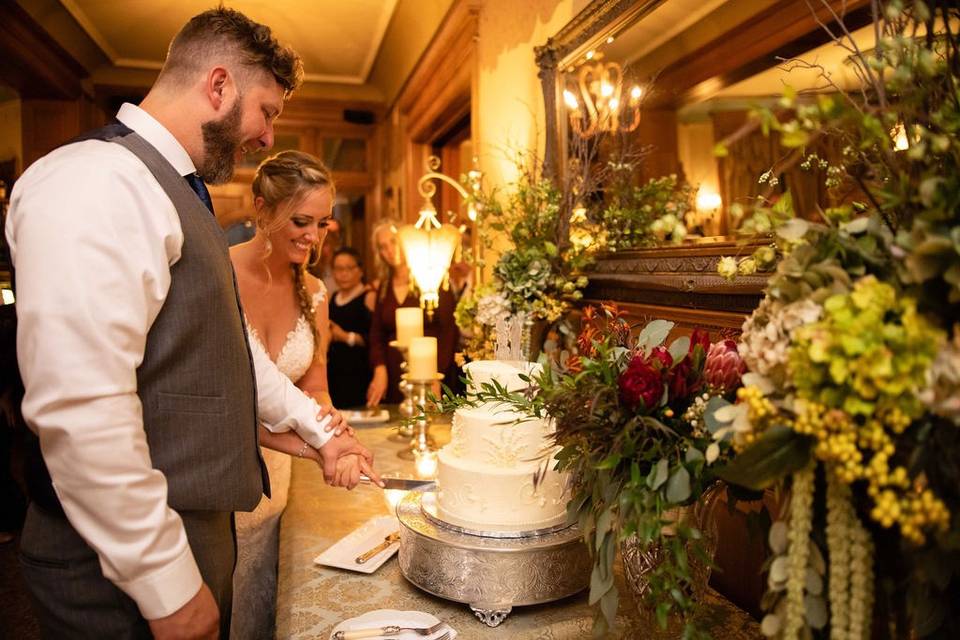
x: 196, y: 382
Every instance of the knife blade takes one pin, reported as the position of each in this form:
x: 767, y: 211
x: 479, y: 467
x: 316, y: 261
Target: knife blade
x: 403, y: 484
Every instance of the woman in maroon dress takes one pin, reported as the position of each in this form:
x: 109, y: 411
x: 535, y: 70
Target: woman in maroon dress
x: 395, y: 289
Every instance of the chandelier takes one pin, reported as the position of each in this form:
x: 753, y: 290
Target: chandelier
x: 429, y: 245
x: 597, y: 103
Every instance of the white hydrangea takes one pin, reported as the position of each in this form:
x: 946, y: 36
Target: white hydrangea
x: 942, y: 395
x: 490, y: 307
x: 767, y: 335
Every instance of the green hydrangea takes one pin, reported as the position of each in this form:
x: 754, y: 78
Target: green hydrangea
x: 869, y: 352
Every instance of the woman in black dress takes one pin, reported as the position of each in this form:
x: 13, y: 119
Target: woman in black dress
x: 348, y: 366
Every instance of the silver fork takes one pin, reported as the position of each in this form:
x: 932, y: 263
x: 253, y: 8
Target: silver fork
x: 393, y: 630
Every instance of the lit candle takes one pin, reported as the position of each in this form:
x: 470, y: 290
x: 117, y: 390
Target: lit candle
x: 422, y: 358
x: 409, y: 324
x: 426, y: 464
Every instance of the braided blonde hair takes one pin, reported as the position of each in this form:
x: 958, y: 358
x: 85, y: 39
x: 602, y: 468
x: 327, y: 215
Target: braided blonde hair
x: 283, y: 181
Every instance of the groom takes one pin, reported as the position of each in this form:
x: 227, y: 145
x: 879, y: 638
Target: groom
x: 139, y: 381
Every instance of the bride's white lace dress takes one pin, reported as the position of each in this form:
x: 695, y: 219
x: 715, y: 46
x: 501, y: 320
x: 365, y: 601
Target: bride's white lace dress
x: 258, y: 531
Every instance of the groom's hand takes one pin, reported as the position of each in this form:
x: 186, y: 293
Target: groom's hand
x: 198, y: 619
x: 337, y: 447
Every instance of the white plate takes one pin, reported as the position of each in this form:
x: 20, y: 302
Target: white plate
x: 343, y: 553
x: 385, y: 617
x: 366, y: 416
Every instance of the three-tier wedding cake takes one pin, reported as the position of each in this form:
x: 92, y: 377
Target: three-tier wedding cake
x: 497, y: 471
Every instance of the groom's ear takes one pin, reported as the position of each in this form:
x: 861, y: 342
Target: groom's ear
x: 217, y: 87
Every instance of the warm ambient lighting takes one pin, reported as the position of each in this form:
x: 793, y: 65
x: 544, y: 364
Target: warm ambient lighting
x: 426, y: 464
x: 899, y: 135
x: 409, y: 325
x: 597, y: 101
x: 429, y: 245
x: 708, y: 200
x: 8, y: 297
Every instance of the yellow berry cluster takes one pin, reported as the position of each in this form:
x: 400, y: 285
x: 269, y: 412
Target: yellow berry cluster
x: 760, y: 412
x: 914, y: 512
x: 855, y: 451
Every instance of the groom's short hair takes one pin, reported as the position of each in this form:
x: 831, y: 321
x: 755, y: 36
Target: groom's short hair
x: 228, y: 37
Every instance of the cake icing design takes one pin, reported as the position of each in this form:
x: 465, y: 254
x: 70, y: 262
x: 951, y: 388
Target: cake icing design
x: 486, y: 474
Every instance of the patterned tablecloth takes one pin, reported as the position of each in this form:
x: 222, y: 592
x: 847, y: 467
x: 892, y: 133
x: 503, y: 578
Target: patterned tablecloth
x: 312, y: 599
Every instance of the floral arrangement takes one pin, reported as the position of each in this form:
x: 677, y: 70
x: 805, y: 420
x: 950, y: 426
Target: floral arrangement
x: 539, y: 274
x: 630, y: 430
x: 854, y: 354
x: 646, y: 215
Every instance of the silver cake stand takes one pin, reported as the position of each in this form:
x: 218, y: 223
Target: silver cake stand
x: 490, y: 573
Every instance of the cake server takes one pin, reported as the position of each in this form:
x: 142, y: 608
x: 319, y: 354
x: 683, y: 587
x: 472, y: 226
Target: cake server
x: 404, y: 484
x: 392, y: 630
x: 387, y: 541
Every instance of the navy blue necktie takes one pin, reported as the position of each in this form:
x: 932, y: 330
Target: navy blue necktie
x: 196, y: 183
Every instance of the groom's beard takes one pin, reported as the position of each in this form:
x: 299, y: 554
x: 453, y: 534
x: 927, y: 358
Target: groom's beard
x: 221, y: 139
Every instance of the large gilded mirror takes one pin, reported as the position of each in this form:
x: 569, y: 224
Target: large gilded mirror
x: 665, y: 81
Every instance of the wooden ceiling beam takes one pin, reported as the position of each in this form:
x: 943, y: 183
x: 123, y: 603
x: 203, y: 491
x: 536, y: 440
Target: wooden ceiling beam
x: 33, y: 62
x: 784, y: 30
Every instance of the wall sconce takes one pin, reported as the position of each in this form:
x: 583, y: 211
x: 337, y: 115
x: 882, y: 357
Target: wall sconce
x: 429, y: 245
x: 596, y: 101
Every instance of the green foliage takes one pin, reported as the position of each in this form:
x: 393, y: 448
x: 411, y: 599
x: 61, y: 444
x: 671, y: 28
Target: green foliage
x: 650, y: 214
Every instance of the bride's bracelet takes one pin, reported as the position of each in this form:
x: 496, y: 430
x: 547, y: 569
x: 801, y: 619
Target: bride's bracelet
x: 303, y: 450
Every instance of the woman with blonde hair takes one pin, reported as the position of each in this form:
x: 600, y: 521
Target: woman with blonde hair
x: 286, y: 313
x: 395, y: 288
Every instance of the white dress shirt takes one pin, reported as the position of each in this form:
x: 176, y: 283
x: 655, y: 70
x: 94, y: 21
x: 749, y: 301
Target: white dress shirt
x: 93, y: 237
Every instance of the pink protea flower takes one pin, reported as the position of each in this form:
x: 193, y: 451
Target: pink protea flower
x: 724, y: 366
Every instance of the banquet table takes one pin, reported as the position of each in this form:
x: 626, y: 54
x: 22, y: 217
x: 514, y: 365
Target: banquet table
x: 312, y: 599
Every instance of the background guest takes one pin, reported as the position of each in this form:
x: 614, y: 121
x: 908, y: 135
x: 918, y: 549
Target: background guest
x: 348, y: 366
x: 395, y: 290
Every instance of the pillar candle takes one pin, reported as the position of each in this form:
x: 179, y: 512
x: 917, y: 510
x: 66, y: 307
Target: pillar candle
x: 422, y: 358
x: 409, y: 324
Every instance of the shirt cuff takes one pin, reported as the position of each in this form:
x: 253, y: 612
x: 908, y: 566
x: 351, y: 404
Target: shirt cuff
x: 166, y: 590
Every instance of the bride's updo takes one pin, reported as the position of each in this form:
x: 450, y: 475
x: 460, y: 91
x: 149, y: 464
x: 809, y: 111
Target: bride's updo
x: 283, y: 180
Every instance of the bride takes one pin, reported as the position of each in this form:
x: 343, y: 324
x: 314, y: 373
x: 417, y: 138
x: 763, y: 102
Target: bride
x: 287, y: 314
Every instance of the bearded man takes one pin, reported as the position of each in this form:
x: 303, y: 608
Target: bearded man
x: 139, y: 380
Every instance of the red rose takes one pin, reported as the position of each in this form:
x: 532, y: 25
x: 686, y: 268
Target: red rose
x: 641, y: 385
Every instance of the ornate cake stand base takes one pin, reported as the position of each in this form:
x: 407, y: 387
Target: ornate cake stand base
x: 490, y: 574
x: 491, y: 617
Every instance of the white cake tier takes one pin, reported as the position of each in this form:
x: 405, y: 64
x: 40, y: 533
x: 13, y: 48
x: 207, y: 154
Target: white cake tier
x: 491, y: 434
x: 486, y: 475
x: 477, y: 495
x: 506, y: 372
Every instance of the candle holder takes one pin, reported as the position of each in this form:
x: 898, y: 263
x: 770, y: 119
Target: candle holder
x: 421, y: 442
x: 405, y: 431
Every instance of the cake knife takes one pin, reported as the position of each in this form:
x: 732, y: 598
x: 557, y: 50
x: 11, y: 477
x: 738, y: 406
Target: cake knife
x: 403, y: 484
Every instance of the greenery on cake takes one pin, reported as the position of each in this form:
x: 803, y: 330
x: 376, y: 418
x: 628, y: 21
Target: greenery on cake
x: 854, y: 351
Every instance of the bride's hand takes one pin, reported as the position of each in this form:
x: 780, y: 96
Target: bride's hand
x: 338, y: 424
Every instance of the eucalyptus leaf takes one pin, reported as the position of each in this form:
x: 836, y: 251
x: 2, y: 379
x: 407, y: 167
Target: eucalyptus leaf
x: 693, y: 455
x: 654, y: 334
x: 660, y: 474
x: 679, y: 348
x: 793, y: 229
x: 777, y: 453
x: 777, y: 537
x: 815, y: 611
x: 678, y: 486
x: 599, y: 584
x: 710, y: 414
x: 608, y: 605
